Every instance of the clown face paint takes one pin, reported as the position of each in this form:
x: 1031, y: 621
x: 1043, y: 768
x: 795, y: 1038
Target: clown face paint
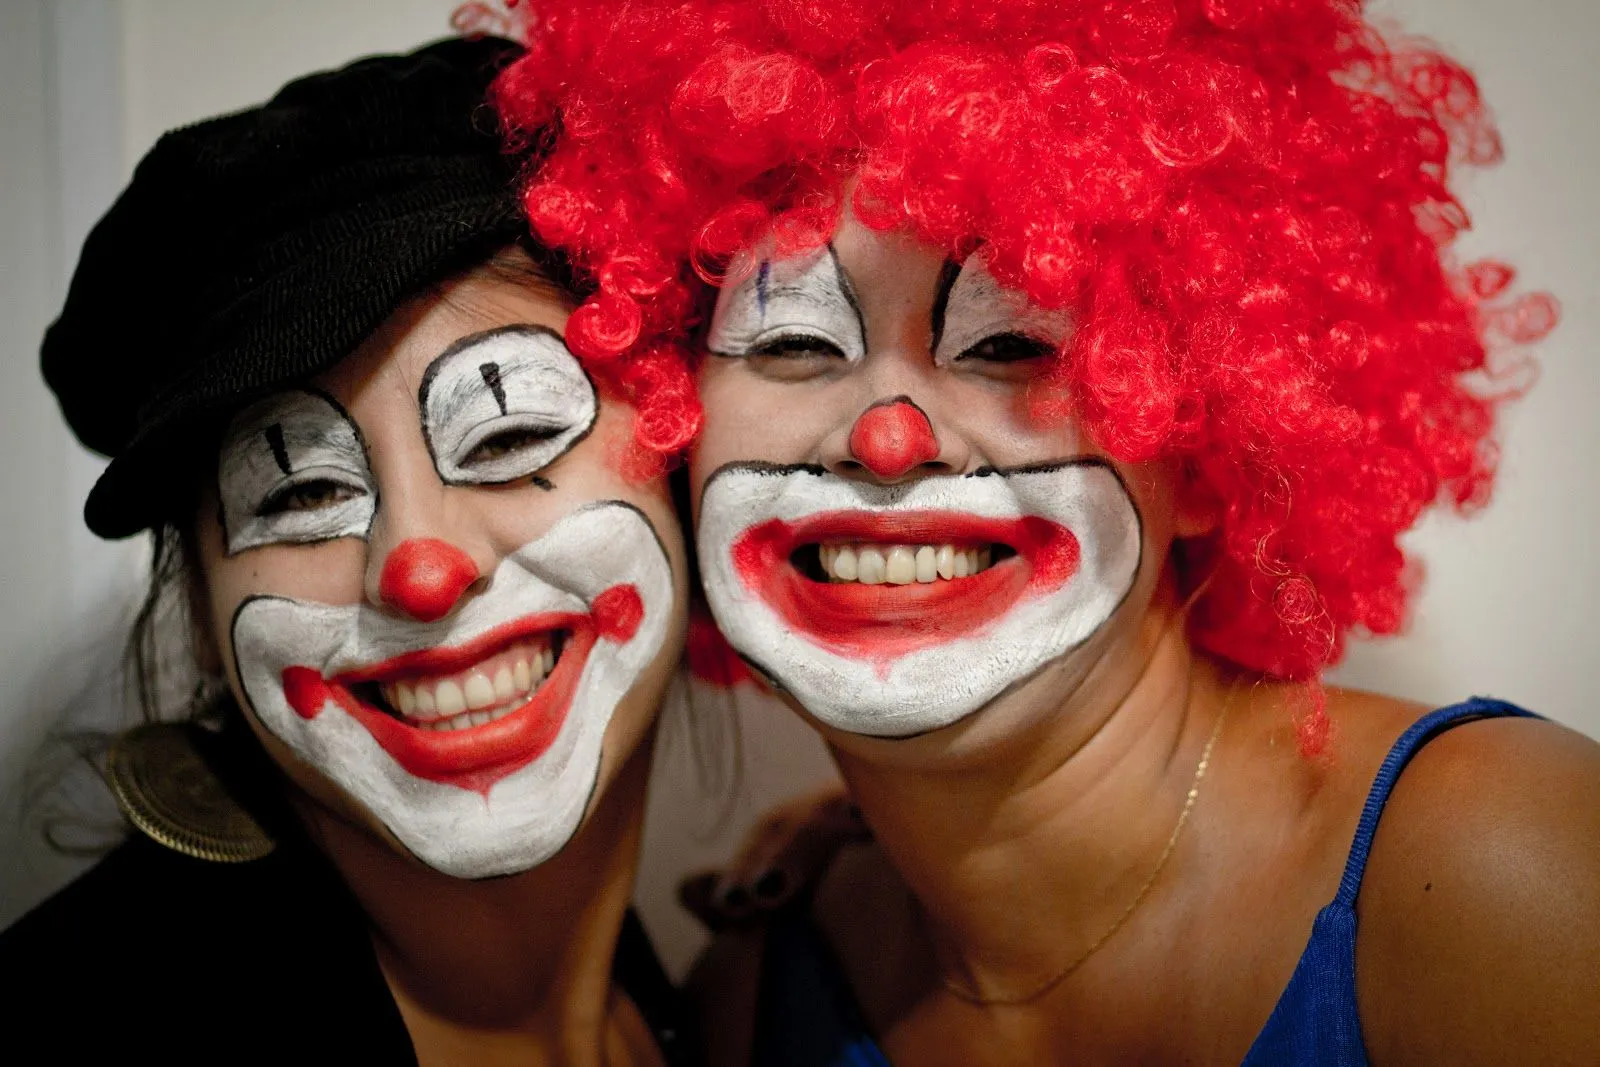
x: 803, y: 304
x: 971, y: 310
x: 857, y: 599
x: 501, y: 405
x: 472, y: 793
x: 293, y: 470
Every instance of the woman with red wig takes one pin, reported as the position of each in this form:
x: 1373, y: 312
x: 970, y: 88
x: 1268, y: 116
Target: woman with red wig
x: 1070, y: 369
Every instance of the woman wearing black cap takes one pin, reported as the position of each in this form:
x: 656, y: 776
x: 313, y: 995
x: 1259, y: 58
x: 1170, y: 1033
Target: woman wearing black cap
x: 437, y: 602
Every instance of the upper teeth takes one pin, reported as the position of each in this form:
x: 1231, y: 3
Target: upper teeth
x: 901, y: 564
x: 480, y: 694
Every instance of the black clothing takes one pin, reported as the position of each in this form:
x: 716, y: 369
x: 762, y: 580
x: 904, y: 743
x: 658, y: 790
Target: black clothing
x: 262, y: 247
x: 155, y: 957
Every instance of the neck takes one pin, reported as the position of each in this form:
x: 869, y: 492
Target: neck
x: 1056, y: 827
x: 518, y: 966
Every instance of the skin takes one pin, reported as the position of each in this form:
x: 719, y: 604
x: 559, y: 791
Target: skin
x: 1008, y: 843
x: 511, y: 969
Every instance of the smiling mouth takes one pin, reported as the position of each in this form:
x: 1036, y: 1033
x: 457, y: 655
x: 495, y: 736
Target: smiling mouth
x: 485, y: 692
x: 896, y: 564
x: 507, y: 717
x: 877, y: 585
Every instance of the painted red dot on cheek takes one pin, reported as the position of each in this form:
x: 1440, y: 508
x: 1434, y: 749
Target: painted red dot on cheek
x: 306, y: 691
x: 617, y: 613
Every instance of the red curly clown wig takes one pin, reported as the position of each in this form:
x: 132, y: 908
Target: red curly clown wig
x: 1246, y: 203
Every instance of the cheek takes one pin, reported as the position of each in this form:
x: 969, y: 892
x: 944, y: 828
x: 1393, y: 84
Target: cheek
x: 751, y: 418
x: 330, y: 573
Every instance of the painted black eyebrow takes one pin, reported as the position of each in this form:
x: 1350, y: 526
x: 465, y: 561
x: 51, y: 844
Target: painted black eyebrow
x: 280, y: 453
x: 948, y: 273
x: 848, y: 288
x: 763, y: 279
x: 491, y: 378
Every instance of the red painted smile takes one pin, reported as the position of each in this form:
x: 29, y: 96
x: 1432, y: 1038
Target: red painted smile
x: 514, y: 685
x: 877, y: 585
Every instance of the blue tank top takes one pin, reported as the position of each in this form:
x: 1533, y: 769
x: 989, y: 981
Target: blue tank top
x: 806, y: 1015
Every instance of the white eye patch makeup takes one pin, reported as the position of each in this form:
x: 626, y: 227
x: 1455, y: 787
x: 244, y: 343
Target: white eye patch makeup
x: 293, y: 470
x: 477, y: 740
x: 501, y: 405
x: 892, y: 610
x: 972, y: 307
x: 787, y: 307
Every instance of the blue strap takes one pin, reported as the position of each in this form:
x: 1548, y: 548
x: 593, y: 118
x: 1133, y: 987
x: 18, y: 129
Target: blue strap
x: 1419, y: 734
x: 1316, y: 1021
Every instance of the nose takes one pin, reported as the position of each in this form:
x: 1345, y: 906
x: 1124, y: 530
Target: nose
x: 425, y: 578
x: 892, y: 438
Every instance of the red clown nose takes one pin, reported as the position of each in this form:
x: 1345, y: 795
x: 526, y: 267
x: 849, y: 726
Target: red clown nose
x: 424, y: 577
x: 892, y: 438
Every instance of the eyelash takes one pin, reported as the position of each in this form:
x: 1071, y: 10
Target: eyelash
x: 1018, y: 348
x: 312, y: 495
x: 797, y: 346
x: 506, y: 442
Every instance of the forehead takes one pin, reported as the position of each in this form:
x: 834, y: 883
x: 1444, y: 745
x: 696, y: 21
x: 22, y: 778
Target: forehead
x: 396, y: 356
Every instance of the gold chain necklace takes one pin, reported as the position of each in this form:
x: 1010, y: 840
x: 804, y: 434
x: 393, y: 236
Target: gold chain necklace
x: 972, y: 996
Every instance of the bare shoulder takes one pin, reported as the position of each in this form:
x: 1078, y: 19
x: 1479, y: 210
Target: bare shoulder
x: 1480, y: 911
x: 722, y: 988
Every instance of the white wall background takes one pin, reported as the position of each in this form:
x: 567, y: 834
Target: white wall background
x: 86, y: 86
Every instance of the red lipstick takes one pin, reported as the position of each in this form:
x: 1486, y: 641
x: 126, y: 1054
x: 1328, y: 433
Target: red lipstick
x: 883, y: 622
x: 478, y: 757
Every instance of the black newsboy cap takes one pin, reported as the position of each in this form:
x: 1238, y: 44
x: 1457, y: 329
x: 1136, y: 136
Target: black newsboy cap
x: 262, y: 247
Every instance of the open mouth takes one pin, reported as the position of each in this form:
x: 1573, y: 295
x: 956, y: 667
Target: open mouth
x: 877, y: 585
x: 879, y: 564
x: 485, y: 692
x: 466, y: 715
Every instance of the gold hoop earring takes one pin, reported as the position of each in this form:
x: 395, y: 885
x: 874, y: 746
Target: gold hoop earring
x: 165, y: 787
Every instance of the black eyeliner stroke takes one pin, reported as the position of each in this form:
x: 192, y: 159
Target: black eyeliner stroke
x: 848, y: 288
x: 892, y: 401
x: 949, y: 271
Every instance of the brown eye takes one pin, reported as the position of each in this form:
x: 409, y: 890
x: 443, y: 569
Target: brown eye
x: 308, y: 496
x: 1007, y: 348
x: 507, y: 442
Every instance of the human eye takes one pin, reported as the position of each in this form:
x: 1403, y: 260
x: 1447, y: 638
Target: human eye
x: 292, y: 470
x: 500, y: 406
x: 795, y: 357
x: 790, y: 319
x: 992, y: 330
x: 798, y: 346
x: 315, y: 494
x: 508, y: 443
x: 1009, y: 347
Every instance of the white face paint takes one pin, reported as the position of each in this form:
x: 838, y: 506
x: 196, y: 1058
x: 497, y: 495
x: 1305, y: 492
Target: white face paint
x: 486, y: 799
x: 893, y: 660
x: 976, y: 309
x: 292, y: 470
x: 795, y: 305
x: 501, y: 405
